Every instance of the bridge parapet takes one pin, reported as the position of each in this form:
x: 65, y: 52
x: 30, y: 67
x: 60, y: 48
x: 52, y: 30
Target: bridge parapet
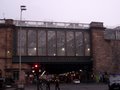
x: 2, y: 21
x: 47, y: 24
x: 51, y: 24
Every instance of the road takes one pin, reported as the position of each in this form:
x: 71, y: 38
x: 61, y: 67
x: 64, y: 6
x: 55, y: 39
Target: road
x: 70, y: 87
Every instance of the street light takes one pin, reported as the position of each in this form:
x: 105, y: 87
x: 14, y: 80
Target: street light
x: 22, y: 8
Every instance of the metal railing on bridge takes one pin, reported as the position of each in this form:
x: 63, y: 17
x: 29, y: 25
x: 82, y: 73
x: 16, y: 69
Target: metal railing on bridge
x: 48, y: 24
x: 51, y: 24
x: 2, y: 21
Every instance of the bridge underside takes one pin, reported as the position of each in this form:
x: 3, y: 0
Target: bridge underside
x: 65, y: 67
x: 58, y: 64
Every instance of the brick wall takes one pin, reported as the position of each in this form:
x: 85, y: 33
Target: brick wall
x: 6, y: 46
x: 6, y: 49
x: 102, y: 50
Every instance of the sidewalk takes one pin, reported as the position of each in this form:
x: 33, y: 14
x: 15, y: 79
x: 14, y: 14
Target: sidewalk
x: 81, y: 86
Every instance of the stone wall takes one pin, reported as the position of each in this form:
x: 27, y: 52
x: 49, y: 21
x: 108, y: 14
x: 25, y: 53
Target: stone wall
x: 101, y: 50
x: 6, y: 49
x: 6, y: 46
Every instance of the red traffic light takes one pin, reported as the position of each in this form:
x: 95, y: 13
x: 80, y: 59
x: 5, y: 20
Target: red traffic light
x: 36, y: 66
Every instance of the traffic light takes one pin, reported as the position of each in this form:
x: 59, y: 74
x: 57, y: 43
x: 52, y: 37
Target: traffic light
x: 36, y: 68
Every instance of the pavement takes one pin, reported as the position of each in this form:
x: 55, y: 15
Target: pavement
x: 81, y: 86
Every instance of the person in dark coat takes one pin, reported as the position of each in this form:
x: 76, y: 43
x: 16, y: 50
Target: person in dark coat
x: 48, y: 85
x: 57, y: 84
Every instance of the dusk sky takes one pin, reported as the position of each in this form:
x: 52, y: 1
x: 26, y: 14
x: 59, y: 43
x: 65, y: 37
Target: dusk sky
x: 77, y: 11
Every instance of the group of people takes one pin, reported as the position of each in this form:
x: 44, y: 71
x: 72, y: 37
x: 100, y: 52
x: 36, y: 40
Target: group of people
x: 56, y: 85
x: 48, y: 83
x: 101, y: 77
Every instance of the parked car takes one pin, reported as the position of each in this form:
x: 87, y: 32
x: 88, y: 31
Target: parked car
x: 76, y: 81
x: 2, y: 83
x: 9, y: 82
x: 114, y: 82
x: 20, y: 86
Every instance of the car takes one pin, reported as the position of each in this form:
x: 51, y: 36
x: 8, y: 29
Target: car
x: 76, y: 81
x: 114, y: 82
x: 9, y: 82
x: 20, y: 86
x: 2, y: 83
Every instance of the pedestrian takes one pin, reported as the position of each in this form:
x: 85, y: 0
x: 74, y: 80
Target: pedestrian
x: 47, y: 81
x: 41, y: 84
x: 57, y: 84
x: 48, y: 85
x: 101, y: 77
x: 106, y: 77
x: 97, y: 78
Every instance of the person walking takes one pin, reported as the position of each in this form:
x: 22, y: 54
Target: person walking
x: 41, y: 84
x: 47, y: 81
x: 57, y: 84
x: 48, y: 85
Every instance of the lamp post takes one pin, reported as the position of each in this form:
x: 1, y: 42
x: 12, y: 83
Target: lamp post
x: 22, y: 8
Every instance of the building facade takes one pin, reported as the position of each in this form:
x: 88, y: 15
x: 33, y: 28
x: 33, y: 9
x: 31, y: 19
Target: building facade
x: 58, y: 47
